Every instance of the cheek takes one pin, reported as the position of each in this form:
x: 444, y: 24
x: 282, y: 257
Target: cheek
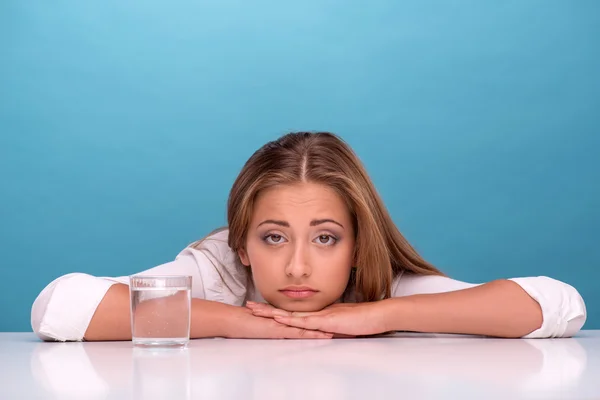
x: 264, y: 263
x: 344, y: 253
x: 346, y: 261
x: 336, y: 273
x: 333, y: 267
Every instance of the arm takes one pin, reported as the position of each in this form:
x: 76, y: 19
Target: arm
x: 499, y: 308
x: 533, y: 307
x: 111, y: 321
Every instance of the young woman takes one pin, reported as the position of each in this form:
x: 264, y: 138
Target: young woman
x: 311, y: 252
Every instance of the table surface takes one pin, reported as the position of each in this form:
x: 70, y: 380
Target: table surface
x: 403, y: 365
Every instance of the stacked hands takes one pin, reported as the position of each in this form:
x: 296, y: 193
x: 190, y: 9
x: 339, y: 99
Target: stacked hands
x: 337, y: 320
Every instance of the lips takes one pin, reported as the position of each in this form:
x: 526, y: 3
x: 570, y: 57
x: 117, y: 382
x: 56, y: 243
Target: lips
x: 299, y: 292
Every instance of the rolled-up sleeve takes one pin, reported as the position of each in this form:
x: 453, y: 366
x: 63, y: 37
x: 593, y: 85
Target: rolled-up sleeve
x: 563, y: 308
x: 63, y: 310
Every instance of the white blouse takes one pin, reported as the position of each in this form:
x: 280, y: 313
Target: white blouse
x: 63, y: 310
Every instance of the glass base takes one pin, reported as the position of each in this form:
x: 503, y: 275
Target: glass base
x: 163, y: 343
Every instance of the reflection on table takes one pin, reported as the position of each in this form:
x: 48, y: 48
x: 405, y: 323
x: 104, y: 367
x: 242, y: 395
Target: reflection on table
x: 412, y: 365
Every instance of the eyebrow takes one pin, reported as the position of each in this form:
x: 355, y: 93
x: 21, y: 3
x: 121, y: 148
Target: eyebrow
x: 316, y: 222
x: 286, y: 224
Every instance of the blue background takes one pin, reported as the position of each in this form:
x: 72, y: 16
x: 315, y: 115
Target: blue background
x: 124, y: 124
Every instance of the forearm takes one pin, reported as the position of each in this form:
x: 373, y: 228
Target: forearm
x: 212, y: 319
x: 499, y: 308
x: 112, y: 319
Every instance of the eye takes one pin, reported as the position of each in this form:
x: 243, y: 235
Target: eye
x: 326, y: 240
x: 273, y: 239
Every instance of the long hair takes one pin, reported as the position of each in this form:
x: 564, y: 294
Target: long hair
x: 381, y: 251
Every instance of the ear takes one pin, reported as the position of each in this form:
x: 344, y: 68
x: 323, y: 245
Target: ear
x: 244, y: 257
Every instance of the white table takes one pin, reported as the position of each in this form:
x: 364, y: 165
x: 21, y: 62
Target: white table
x: 402, y: 366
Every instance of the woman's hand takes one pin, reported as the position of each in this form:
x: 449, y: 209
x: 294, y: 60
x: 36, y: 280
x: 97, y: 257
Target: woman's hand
x: 343, y: 319
x: 245, y: 325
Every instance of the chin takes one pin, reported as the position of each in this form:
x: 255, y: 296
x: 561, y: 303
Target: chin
x: 301, y: 305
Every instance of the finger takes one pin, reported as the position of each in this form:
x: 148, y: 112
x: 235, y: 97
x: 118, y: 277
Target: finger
x: 258, y: 306
x: 300, y: 314
x: 266, y: 308
x: 295, y: 333
x: 255, y: 305
x: 312, y: 322
x: 270, y: 313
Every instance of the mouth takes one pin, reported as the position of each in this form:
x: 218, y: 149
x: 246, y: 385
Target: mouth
x: 298, y: 292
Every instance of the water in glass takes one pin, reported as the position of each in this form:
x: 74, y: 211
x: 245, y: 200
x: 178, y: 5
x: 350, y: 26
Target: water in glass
x: 160, y: 311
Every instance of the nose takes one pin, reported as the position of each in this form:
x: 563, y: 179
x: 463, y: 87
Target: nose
x: 298, y: 265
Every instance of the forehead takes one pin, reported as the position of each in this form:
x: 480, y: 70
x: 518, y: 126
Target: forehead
x: 300, y: 199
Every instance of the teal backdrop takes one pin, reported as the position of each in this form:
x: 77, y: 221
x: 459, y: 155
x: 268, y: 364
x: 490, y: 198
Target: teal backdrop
x: 124, y: 123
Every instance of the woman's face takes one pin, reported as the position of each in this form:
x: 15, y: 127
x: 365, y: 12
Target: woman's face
x: 300, y: 246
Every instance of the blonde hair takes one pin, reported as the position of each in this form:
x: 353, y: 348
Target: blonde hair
x: 381, y: 251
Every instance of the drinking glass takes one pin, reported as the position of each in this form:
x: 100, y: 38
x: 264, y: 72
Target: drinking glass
x: 160, y: 310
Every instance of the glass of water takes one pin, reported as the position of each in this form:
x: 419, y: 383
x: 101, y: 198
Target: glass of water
x: 160, y: 310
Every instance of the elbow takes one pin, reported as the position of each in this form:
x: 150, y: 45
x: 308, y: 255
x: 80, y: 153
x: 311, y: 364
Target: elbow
x: 56, y: 312
x: 563, y: 311
x: 39, y: 311
x: 575, y: 314
x: 37, y: 316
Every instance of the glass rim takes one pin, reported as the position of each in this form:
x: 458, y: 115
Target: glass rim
x: 160, y: 276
